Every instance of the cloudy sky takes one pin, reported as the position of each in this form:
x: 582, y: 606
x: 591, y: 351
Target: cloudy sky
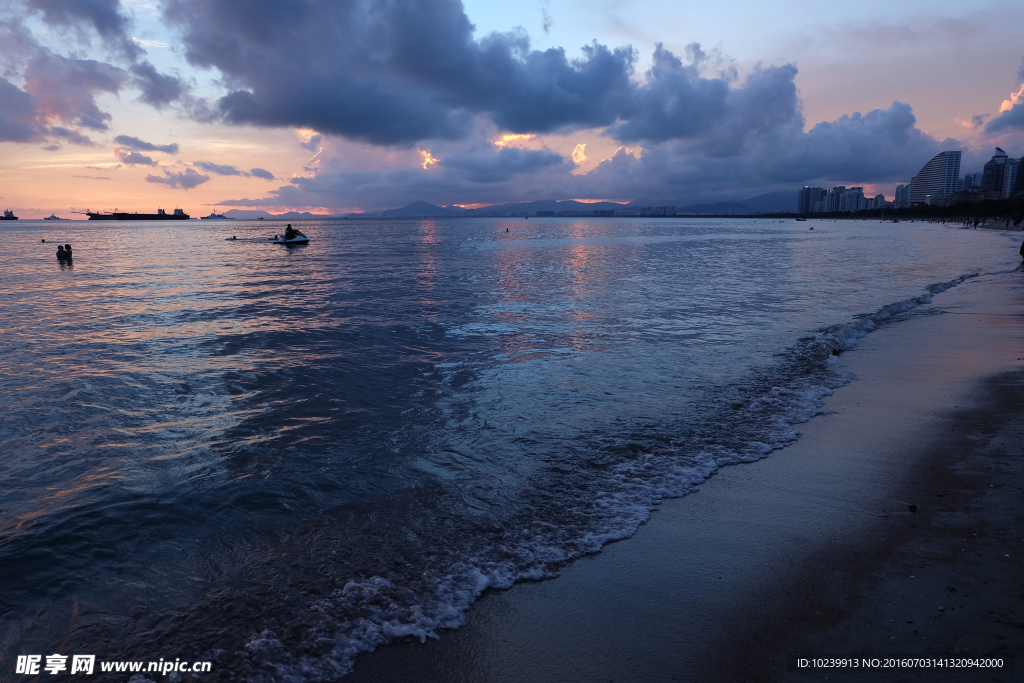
x: 359, y: 105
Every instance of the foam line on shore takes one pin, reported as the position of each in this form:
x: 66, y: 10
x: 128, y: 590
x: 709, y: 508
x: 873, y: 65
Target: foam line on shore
x: 754, y: 421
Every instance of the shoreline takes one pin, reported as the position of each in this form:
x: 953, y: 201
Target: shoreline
x: 941, y: 580
x: 706, y: 590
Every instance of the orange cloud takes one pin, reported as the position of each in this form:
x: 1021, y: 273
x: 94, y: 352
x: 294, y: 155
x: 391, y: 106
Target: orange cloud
x: 1015, y: 99
x: 508, y: 138
x: 427, y: 158
x: 579, y: 155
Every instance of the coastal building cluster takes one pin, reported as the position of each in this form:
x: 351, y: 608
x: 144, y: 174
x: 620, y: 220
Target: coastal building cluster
x: 838, y: 199
x: 938, y: 183
x: 998, y: 180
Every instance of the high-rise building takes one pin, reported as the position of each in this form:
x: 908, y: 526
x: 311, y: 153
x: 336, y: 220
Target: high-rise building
x: 816, y: 204
x: 837, y: 198
x: 807, y: 198
x: 853, y: 200
x: 936, y: 179
x: 1010, y: 177
x: 902, y: 199
x: 971, y: 180
x: 1000, y: 175
x: 803, y: 199
x: 993, y: 178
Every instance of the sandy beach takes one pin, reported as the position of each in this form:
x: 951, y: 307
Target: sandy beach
x: 814, y: 550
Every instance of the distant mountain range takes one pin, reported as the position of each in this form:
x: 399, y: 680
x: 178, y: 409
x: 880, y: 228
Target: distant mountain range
x: 253, y: 214
x: 765, y: 203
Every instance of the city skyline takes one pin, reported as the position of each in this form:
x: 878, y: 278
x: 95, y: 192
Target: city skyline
x: 137, y: 105
x: 939, y: 182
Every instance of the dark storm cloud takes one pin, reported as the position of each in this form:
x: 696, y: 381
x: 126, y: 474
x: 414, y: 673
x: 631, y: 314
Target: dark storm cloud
x: 1012, y: 119
x: 313, y: 143
x: 368, y: 188
x: 138, y: 145
x: 185, y: 181
x: 883, y: 145
x: 17, y: 114
x: 219, y: 169
x: 677, y: 102
x: 393, y: 72
x: 66, y: 88
x: 157, y: 89
x: 21, y: 122
x: 402, y: 71
x: 223, y: 169
x: 105, y: 16
x: 488, y: 167
x: 72, y: 136
x: 133, y: 158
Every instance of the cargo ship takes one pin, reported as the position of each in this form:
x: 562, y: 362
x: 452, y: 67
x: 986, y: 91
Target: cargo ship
x: 9, y: 216
x: 160, y: 215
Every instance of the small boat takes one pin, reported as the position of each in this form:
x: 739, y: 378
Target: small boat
x: 53, y: 217
x: 294, y: 240
x: 217, y: 217
x: 802, y: 219
x: 9, y: 216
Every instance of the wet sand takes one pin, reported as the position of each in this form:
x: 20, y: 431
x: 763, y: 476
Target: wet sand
x: 813, y: 550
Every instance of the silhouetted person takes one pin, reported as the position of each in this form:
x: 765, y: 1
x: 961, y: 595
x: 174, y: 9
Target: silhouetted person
x: 62, y: 254
x: 1022, y: 249
x: 291, y: 233
x: 67, y: 250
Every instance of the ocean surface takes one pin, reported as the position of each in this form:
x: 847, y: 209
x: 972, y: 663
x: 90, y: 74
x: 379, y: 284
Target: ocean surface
x: 276, y: 458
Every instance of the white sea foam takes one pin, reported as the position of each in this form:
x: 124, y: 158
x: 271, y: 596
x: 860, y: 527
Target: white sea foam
x: 371, y: 612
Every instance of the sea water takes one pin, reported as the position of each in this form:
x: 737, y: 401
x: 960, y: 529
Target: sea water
x: 276, y: 458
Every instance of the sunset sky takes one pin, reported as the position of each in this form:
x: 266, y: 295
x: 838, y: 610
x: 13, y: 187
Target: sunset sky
x: 330, y: 107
